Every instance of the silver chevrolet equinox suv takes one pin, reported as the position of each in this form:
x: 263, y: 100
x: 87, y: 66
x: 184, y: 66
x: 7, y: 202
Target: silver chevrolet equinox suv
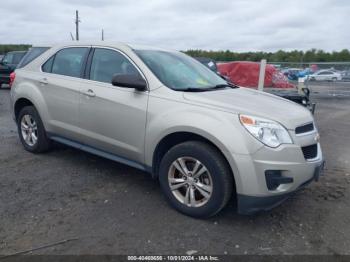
x: 163, y: 112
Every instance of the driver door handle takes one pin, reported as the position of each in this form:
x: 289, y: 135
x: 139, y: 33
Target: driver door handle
x: 89, y: 93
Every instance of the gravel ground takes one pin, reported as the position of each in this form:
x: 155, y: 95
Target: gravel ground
x: 109, y: 208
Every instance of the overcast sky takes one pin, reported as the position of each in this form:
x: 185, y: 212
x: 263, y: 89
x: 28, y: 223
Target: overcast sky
x: 238, y: 25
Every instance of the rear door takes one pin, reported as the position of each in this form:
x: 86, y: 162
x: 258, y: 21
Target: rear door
x: 60, y: 84
x: 112, y: 118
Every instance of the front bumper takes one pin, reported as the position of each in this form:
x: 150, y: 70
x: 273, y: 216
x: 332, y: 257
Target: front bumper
x: 268, y: 176
x: 248, y: 205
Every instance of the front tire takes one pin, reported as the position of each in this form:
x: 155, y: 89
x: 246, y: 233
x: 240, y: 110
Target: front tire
x: 196, y: 179
x: 31, y: 130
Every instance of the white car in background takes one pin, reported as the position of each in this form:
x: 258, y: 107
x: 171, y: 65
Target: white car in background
x: 325, y: 75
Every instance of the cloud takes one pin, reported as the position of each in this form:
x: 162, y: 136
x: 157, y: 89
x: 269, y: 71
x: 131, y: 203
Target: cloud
x: 240, y: 25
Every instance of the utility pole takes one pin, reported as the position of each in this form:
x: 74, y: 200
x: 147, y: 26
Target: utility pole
x: 102, y: 35
x: 77, y: 21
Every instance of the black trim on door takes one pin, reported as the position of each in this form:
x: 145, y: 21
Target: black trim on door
x: 86, y: 61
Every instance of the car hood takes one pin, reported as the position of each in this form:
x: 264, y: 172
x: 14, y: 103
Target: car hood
x: 253, y: 102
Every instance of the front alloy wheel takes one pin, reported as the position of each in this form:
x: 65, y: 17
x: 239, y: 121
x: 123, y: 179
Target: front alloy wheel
x: 196, y: 179
x: 190, y: 181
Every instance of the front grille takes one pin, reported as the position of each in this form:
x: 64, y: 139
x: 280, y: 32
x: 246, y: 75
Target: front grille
x: 310, y: 152
x: 305, y: 128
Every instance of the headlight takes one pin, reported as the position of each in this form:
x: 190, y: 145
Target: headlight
x: 266, y: 131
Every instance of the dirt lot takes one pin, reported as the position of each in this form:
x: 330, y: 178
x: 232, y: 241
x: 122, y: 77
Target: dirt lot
x: 109, y: 208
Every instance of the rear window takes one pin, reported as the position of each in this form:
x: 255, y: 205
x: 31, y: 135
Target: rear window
x: 33, y: 53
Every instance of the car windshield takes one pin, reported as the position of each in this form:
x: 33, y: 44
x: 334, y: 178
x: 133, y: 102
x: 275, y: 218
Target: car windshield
x: 179, y: 71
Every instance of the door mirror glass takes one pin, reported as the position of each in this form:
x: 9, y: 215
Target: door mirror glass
x: 129, y: 81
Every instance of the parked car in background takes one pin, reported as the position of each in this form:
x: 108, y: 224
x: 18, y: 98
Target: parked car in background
x: 212, y: 65
x: 305, y: 72
x: 8, y: 64
x: 345, y: 75
x: 208, y: 62
x: 1, y: 57
x: 31, y: 54
x: 292, y: 73
x: 325, y: 75
x: 165, y: 113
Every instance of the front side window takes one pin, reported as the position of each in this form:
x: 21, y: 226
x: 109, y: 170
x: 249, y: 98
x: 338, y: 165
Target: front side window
x: 68, y: 62
x: 106, y: 63
x: 179, y: 71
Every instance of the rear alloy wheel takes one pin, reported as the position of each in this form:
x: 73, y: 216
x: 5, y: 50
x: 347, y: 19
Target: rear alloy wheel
x: 196, y: 179
x: 31, y: 130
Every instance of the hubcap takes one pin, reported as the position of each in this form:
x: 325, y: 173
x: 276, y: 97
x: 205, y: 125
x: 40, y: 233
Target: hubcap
x: 29, y: 130
x: 190, y: 182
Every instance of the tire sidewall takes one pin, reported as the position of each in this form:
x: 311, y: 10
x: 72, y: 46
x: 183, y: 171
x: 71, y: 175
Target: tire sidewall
x: 216, y: 171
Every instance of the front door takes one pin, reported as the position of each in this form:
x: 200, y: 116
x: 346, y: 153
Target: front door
x: 112, y: 118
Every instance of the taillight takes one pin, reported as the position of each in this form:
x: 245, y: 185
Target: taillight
x: 12, y: 78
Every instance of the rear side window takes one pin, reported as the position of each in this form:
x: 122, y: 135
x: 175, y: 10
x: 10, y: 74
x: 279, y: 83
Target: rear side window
x: 68, y: 62
x: 106, y: 63
x: 47, y: 67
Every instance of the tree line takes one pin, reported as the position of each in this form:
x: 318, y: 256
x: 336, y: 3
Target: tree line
x: 7, y: 48
x: 295, y: 56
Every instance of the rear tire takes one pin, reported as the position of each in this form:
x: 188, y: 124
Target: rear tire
x: 31, y: 131
x: 200, y: 192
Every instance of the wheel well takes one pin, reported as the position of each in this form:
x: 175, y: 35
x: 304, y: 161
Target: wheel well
x: 20, y: 103
x: 176, y: 138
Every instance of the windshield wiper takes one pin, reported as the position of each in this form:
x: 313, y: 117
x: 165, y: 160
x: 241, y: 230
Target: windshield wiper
x: 193, y: 89
x: 200, y: 89
x: 224, y: 85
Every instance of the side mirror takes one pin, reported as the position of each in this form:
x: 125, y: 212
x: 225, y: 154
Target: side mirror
x: 129, y: 81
